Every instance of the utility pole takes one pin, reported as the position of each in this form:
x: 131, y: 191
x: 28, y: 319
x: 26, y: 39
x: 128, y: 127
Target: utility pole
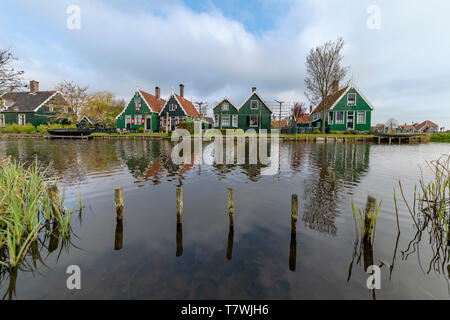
x: 279, y: 119
x: 200, y: 110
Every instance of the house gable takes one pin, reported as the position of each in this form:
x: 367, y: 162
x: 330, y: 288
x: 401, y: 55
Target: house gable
x: 362, y: 104
x: 246, y: 106
x: 218, y: 107
x: 178, y: 111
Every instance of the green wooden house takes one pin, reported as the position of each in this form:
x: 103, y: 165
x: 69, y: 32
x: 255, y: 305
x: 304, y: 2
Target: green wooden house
x: 254, y: 113
x: 348, y: 109
x: 226, y: 115
x: 177, y: 109
x: 141, y: 112
x: 34, y: 106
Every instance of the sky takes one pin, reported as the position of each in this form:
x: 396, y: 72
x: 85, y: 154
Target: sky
x: 398, y: 51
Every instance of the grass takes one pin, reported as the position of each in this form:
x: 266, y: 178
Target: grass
x: 440, y: 137
x: 155, y: 134
x: 26, y: 205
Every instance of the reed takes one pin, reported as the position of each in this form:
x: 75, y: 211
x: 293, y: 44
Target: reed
x: 367, y: 222
x: 25, y: 205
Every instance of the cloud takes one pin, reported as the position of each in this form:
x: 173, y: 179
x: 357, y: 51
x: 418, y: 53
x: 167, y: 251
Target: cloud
x: 401, y: 68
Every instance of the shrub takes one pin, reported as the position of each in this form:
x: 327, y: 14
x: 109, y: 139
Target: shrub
x: 16, y: 128
x: 189, y: 126
x: 316, y: 131
x: 42, y: 128
x: 141, y: 129
x: 356, y: 132
x: 347, y: 132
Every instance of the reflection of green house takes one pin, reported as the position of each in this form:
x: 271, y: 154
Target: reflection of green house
x: 254, y: 113
x: 225, y: 115
x: 348, y: 109
x: 35, y: 107
x: 141, y: 112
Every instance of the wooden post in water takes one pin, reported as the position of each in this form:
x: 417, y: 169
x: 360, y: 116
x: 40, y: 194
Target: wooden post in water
x: 54, y: 200
x: 231, y: 206
x: 118, y: 240
x: 179, y: 239
x: 179, y: 204
x: 294, y: 213
x: 368, y: 215
x: 119, y: 203
x: 230, y: 242
x: 293, y: 252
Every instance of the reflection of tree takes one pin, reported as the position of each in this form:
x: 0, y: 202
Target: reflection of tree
x: 334, y: 165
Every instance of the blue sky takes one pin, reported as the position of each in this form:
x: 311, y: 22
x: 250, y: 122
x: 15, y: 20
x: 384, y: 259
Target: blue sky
x: 223, y: 48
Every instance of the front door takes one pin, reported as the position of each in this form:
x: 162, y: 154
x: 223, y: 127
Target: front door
x: 350, y: 120
x: 128, y: 122
x: 149, y: 123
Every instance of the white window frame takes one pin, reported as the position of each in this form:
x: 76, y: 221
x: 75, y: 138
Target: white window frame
x: 51, y: 109
x: 225, y: 106
x: 330, y: 118
x: 340, y: 121
x: 227, y: 122
x: 216, y: 120
x: 251, y: 104
x: 234, y: 121
x: 2, y: 120
x: 257, y: 120
x: 24, y: 119
x: 127, y: 120
x: 172, y: 106
x: 138, y: 120
x: 348, y: 99
x: 348, y: 114
x: 358, y: 113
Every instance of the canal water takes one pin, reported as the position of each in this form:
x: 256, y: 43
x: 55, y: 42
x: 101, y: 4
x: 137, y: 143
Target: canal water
x: 203, y: 258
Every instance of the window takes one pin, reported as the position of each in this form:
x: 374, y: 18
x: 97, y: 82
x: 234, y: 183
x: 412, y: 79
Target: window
x: 235, y: 120
x: 330, y: 117
x: 225, y: 106
x: 351, y: 99
x: 172, y: 107
x: 253, y: 120
x: 138, y: 120
x: 216, y: 120
x: 22, y: 119
x: 127, y: 120
x: 254, y: 104
x: 2, y: 120
x: 225, y: 120
x: 340, y: 117
x: 361, y: 117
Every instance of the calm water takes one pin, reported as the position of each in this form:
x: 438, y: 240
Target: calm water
x: 266, y: 262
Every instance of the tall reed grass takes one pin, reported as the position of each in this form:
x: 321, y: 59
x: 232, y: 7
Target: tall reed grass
x: 26, y: 204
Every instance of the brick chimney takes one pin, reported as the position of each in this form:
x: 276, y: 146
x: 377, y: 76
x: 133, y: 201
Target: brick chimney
x: 335, y: 86
x: 34, y: 86
x: 182, y: 90
x: 253, y: 89
x: 157, y: 93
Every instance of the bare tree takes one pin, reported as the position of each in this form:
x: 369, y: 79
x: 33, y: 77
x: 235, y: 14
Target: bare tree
x: 76, y: 96
x: 297, y: 111
x: 391, y: 123
x: 10, y: 78
x: 323, y: 66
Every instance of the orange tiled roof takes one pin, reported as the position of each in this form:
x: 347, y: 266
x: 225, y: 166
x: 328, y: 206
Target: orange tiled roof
x: 154, y: 104
x: 330, y: 100
x: 188, y: 107
x: 276, y: 123
x: 304, y: 118
x: 425, y: 123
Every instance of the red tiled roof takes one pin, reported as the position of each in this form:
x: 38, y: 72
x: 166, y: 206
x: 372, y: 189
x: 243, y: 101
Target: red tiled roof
x: 425, y: 123
x: 276, y: 123
x: 154, y: 104
x: 304, y: 118
x: 188, y: 107
x: 331, y: 99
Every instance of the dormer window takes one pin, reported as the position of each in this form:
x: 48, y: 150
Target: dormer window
x: 254, y: 105
x: 351, y: 99
x: 225, y: 106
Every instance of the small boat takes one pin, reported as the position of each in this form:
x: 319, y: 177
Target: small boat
x: 71, y: 132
